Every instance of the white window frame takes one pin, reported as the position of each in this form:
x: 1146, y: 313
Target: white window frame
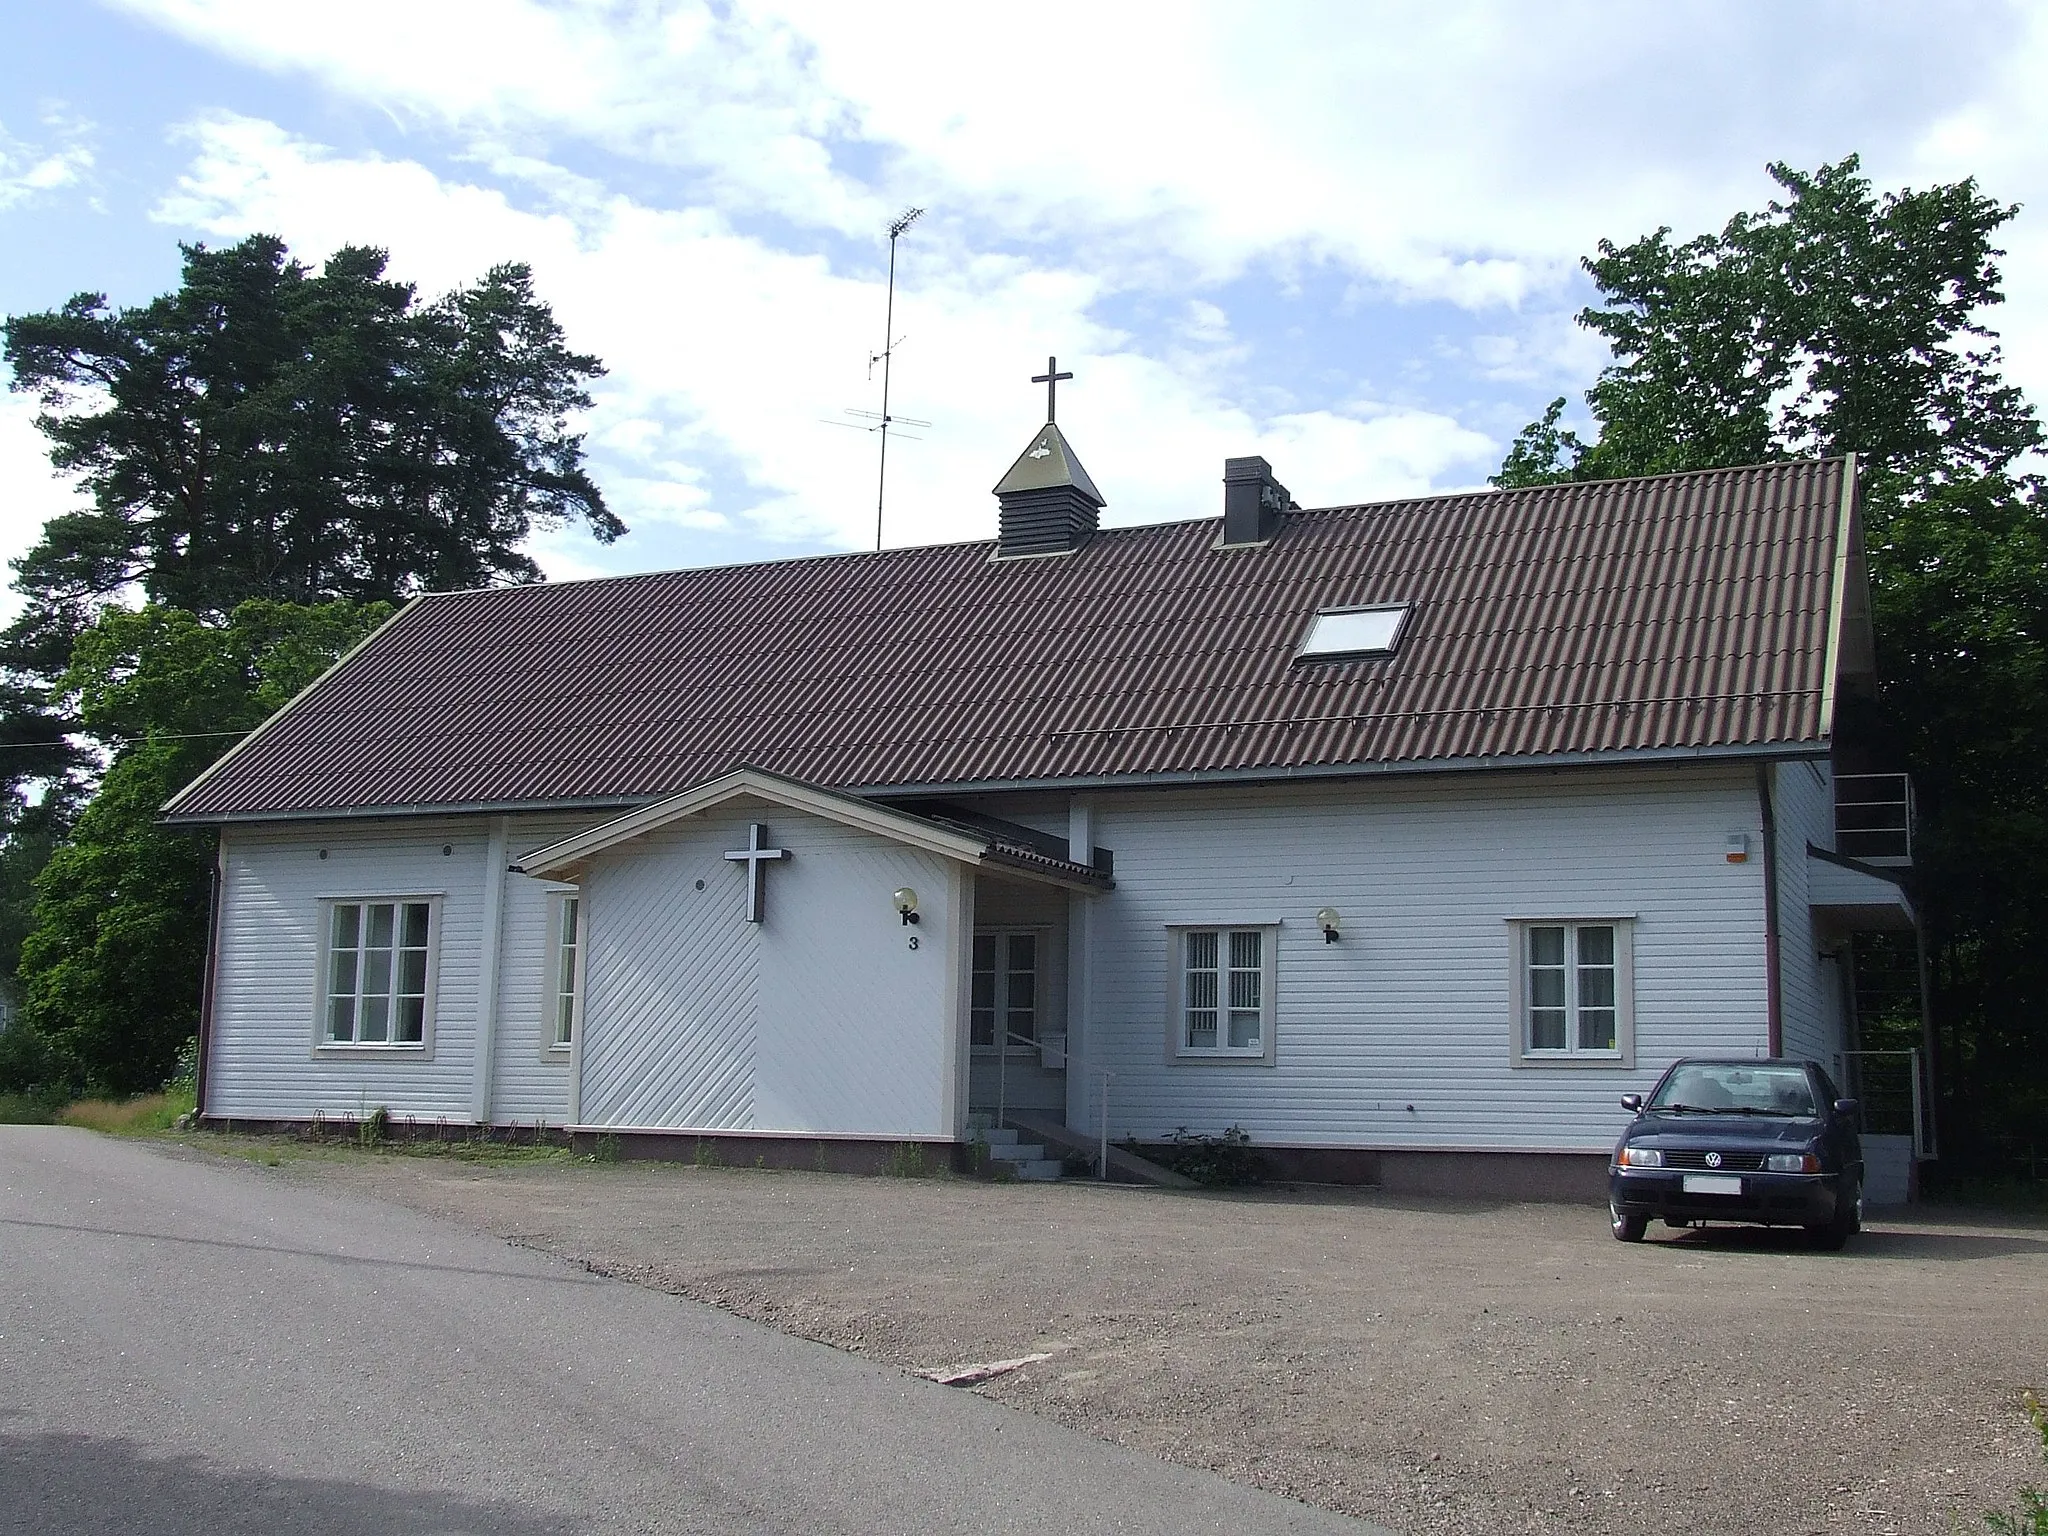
x: 1178, y: 1051
x: 416, y: 1050
x: 1520, y: 1052
x: 554, y: 1048
x: 1040, y: 1009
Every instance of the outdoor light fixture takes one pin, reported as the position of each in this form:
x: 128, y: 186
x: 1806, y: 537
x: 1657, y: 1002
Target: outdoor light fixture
x: 1738, y: 847
x: 1330, y: 923
x: 906, y: 905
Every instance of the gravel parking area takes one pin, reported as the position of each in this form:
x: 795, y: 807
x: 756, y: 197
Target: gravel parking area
x: 1436, y: 1366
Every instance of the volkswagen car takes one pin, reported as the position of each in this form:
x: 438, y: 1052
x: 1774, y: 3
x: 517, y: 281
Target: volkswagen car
x: 1766, y: 1142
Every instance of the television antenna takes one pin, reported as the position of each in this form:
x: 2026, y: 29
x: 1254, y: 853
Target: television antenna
x: 881, y: 421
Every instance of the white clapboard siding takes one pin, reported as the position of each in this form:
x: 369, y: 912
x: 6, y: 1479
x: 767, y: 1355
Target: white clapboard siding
x: 267, y: 989
x: 822, y: 1019
x: 1398, y: 1036
x: 1803, y: 803
x: 532, y: 1082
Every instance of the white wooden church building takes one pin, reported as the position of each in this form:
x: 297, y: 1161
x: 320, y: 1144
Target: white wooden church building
x: 1405, y: 836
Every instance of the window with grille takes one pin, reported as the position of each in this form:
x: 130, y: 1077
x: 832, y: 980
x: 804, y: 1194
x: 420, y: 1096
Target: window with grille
x: 1224, y: 986
x: 1572, y: 990
x: 1005, y: 988
x: 378, y: 970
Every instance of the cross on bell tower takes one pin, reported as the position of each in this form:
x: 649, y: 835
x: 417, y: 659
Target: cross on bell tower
x: 1051, y: 380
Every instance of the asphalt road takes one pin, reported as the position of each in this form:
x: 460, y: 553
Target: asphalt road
x: 187, y: 1347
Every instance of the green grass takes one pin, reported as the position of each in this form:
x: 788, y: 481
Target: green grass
x: 341, y: 1145
x: 147, y: 1114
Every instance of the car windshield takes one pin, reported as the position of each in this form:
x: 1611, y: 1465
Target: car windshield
x: 1733, y: 1088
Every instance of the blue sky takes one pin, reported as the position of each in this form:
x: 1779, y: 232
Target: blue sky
x: 1344, y: 236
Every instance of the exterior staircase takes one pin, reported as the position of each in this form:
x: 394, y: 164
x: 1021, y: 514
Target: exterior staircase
x: 1026, y: 1160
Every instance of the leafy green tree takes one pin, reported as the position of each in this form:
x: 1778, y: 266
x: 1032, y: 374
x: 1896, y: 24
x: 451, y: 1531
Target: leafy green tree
x: 1838, y: 320
x: 270, y: 431
x: 111, y: 967
x: 264, y: 432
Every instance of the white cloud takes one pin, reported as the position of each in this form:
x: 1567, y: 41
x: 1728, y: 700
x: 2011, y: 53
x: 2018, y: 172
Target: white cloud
x: 1466, y: 151
x: 1448, y: 152
x: 27, y: 170
x: 2001, y: 138
x: 31, y: 492
x: 729, y: 358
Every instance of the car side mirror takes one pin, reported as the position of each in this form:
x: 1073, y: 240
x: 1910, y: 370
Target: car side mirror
x: 1846, y: 1107
x: 1632, y: 1102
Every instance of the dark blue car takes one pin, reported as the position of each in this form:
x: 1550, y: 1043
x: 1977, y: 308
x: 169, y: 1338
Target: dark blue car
x: 1766, y: 1142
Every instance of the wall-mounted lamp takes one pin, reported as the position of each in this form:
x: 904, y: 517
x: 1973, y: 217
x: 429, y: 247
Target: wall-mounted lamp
x: 1738, y: 847
x: 906, y: 906
x: 1330, y: 923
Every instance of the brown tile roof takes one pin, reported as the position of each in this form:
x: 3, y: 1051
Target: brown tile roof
x: 1686, y: 613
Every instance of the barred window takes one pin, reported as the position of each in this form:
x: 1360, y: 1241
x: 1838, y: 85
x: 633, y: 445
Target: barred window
x: 1224, y: 1001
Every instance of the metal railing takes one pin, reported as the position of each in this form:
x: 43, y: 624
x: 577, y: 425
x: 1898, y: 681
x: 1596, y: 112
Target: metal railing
x: 1892, y: 1088
x: 1010, y: 1037
x: 1874, y: 817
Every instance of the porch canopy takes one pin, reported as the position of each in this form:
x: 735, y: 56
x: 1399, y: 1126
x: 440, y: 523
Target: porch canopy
x: 978, y: 845
x: 762, y: 957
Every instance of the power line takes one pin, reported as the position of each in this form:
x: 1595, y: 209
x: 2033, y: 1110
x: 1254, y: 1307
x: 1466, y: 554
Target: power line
x: 128, y: 741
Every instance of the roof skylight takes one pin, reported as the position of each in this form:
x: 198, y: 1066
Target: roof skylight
x: 1354, y: 631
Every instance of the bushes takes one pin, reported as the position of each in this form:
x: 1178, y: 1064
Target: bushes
x: 137, y: 1115
x: 20, y: 1109
x: 1220, y: 1162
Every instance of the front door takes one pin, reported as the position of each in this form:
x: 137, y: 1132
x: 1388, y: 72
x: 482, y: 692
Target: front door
x: 1013, y: 1025
x: 1005, y: 1007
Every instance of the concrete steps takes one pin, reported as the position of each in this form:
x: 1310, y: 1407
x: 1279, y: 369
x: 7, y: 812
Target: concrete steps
x: 1026, y: 1160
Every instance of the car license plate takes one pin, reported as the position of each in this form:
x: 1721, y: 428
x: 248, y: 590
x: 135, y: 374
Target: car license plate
x: 1712, y: 1184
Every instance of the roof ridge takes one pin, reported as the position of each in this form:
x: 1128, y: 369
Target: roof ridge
x: 1129, y: 530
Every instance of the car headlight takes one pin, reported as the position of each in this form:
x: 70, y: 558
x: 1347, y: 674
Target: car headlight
x: 1641, y: 1157
x: 1792, y: 1162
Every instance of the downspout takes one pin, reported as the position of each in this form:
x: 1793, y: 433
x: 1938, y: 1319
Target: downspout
x: 1776, y: 1022
x: 487, y: 973
x: 206, y: 979
x: 1082, y: 1055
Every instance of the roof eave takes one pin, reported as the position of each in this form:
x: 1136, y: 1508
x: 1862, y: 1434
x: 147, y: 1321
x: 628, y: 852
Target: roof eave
x: 1631, y: 757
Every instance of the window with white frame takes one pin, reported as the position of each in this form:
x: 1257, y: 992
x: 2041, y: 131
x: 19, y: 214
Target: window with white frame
x: 565, y: 975
x: 1223, y: 992
x: 378, y: 972
x: 1005, y: 988
x: 1573, y: 991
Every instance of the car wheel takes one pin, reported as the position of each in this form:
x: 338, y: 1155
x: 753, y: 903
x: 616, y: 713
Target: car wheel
x: 1848, y: 1219
x: 1628, y: 1226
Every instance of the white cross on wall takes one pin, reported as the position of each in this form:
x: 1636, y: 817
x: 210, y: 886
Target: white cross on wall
x: 752, y: 856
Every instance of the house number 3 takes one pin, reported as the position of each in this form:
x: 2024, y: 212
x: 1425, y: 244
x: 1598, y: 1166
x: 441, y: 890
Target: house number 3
x: 913, y: 941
